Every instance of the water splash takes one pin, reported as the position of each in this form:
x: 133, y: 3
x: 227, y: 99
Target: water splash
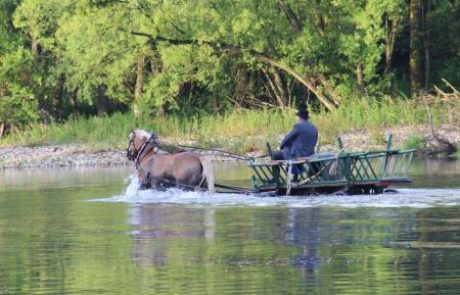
x: 133, y: 186
x: 413, y: 198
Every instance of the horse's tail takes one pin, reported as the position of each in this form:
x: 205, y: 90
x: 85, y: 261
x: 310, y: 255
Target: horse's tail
x: 207, y: 176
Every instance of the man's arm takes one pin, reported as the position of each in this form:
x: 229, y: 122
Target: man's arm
x: 289, y: 137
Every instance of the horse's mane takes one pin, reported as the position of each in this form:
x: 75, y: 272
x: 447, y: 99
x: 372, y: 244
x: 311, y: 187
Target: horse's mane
x: 141, y: 133
x: 145, y: 134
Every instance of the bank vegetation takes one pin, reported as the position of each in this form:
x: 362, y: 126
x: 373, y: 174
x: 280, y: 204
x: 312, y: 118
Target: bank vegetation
x: 223, y: 72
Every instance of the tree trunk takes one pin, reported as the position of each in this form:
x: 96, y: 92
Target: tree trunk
x: 391, y: 27
x: 426, y: 39
x: 360, y: 79
x: 160, y: 112
x: 276, y: 84
x: 324, y: 99
x: 2, y: 128
x: 319, y: 18
x: 292, y: 18
x: 333, y: 96
x: 102, y: 101
x: 59, y: 98
x: 138, y: 88
x: 281, y: 88
x: 415, y: 44
x: 139, y: 76
x: 273, y: 88
x: 73, y: 99
x: 34, y: 45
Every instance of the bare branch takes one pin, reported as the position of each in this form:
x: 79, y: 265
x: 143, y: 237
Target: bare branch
x: 291, y: 16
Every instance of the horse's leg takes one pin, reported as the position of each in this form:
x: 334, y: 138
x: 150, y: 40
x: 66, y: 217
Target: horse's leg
x: 144, y: 186
x: 144, y: 181
x: 157, y: 182
x: 184, y: 187
x: 182, y: 180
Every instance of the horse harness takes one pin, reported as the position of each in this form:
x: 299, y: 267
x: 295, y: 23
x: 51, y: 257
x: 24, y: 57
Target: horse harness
x: 138, y: 155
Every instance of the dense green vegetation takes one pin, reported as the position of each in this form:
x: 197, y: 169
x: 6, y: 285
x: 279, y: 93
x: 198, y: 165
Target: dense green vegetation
x: 240, y: 130
x: 178, y: 62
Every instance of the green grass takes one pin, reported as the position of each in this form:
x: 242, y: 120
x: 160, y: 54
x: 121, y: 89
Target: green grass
x: 370, y: 114
x: 239, y: 130
x: 413, y: 142
x: 97, y: 131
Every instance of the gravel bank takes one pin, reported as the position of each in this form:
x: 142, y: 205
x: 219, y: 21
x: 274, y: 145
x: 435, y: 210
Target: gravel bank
x: 68, y: 155
x: 362, y: 140
x: 60, y: 156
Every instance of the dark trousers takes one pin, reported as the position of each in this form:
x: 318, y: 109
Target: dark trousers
x: 278, y: 155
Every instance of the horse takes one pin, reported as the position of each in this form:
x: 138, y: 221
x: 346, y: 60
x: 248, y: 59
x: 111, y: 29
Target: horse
x: 160, y: 170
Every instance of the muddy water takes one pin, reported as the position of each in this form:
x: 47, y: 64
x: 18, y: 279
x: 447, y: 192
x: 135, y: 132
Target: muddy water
x: 89, y: 231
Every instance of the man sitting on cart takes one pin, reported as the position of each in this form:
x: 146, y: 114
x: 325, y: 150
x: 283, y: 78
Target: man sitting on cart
x: 300, y: 141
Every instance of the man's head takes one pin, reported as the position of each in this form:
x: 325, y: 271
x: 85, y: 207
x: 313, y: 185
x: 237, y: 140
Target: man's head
x: 302, y: 113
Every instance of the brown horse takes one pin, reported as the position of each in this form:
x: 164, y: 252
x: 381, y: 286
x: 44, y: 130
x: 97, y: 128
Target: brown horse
x: 160, y: 170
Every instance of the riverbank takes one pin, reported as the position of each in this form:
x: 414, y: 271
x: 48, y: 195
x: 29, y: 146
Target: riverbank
x: 67, y: 155
x: 64, y: 155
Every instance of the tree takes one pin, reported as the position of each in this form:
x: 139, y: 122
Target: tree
x: 154, y: 57
x: 18, y: 105
x: 415, y: 45
x: 39, y: 20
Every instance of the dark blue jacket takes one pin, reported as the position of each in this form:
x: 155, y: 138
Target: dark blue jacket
x: 300, y: 141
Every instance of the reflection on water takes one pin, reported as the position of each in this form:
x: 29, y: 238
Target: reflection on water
x: 443, y: 173
x: 55, y: 239
x: 296, y: 251
x: 38, y: 178
x: 153, y: 226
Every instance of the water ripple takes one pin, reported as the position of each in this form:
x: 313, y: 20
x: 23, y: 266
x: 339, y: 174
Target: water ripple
x: 405, y: 197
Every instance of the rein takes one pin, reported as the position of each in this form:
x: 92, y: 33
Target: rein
x: 215, y: 151
x: 140, y: 153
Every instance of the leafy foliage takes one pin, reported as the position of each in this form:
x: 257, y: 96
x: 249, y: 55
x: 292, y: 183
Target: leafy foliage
x: 65, y: 58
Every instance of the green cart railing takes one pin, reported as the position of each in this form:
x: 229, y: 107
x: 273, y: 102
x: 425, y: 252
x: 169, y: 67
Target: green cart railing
x: 348, y: 172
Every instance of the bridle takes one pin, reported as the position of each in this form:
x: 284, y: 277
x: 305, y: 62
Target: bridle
x: 137, y: 155
x: 131, y: 154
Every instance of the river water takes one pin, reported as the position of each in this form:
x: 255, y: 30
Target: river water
x: 89, y: 231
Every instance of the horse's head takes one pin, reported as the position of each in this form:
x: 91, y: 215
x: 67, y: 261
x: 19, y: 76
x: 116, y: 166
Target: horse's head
x: 137, y: 139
